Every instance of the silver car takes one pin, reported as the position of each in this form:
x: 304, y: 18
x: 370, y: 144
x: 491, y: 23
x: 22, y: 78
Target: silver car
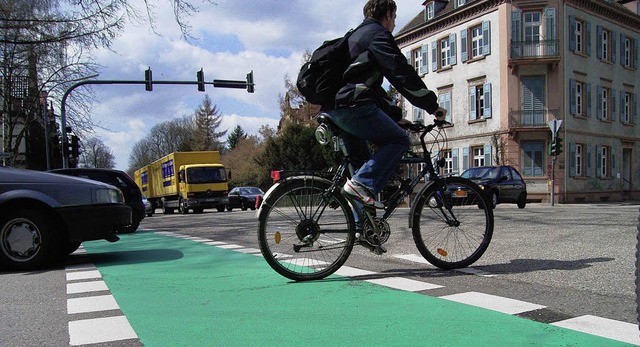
x: 47, y: 216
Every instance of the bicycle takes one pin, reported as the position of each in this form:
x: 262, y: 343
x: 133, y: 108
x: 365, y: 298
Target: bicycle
x: 307, y: 228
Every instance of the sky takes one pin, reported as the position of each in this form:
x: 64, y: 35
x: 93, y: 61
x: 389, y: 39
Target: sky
x: 231, y: 38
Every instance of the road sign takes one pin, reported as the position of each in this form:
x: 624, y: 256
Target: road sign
x: 554, y: 125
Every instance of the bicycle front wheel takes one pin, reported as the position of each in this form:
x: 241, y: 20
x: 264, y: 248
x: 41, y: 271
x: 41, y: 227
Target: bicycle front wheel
x: 452, y: 223
x: 305, y: 232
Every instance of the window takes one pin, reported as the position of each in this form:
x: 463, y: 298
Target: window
x: 531, y: 28
x: 478, y: 156
x: 579, y: 36
x: 417, y: 58
x: 475, y: 42
x: 579, y: 159
x: 604, y: 47
x: 448, y: 162
x: 627, y: 107
x: 460, y: 2
x: 579, y: 98
x: 604, y: 103
x: 532, y: 158
x: 628, y: 51
x: 602, y: 165
x: 480, y: 101
x: 417, y: 115
x: 443, y: 52
x: 430, y: 10
x: 444, y: 100
x: 533, y: 100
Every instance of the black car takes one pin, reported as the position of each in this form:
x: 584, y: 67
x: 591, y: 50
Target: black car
x: 120, y: 180
x: 244, y: 198
x: 45, y: 216
x: 503, y: 184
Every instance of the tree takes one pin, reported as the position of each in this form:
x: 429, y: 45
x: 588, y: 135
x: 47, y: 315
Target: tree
x: 235, y: 137
x: 96, y: 154
x: 207, y: 121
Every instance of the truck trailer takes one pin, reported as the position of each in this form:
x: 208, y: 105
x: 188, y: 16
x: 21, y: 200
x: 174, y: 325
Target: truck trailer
x: 185, y: 181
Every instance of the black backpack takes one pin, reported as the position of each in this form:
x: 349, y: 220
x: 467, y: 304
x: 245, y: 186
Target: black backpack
x: 321, y: 77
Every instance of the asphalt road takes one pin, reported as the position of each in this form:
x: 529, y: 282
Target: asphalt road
x: 571, y: 260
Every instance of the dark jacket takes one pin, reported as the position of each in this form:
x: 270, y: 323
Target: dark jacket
x: 376, y: 55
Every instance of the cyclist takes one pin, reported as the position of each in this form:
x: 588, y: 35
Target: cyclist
x: 365, y: 111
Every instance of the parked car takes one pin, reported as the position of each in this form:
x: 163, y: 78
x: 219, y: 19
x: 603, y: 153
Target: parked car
x: 244, y: 198
x: 120, y: 180
x: 45, y: 216
x: 148, y: 206
x: 503, y: 184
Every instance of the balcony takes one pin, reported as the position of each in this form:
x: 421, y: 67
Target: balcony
x: 540, y: 52
x: 531, y: 119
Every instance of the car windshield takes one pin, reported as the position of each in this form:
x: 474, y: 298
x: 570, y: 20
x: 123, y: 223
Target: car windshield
x: 251, y: 191
x: 199, y: 175
x: 481, y: 173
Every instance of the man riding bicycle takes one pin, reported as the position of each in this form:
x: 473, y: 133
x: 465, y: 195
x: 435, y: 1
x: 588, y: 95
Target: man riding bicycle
x: 364, y: 110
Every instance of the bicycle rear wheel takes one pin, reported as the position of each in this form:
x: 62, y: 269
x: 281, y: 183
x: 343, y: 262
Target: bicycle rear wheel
x: 452, y: 223
x: 304, y: 231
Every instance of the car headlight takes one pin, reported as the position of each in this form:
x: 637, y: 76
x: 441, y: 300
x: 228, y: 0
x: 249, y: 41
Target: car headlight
x: 108, y: 196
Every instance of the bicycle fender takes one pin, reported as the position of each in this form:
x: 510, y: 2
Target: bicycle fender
x: 283, y: 183
x: 413, y: 206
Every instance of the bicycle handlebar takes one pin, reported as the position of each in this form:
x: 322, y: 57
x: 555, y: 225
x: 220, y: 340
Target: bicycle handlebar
x: 418, y: 127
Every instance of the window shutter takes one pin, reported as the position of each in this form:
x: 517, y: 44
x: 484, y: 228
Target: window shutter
x: 613, y: 105
x: 598, y: 159
x: 589, y: 158
x: 588, y: 88
x: 635, y: 51
x: 486, y: 37
x: 572, y: 159
x: 472, y: 103
x: 434, y: 55
x: 621, y: 104
x: 572, y: 33
x: 635, y: 108
x: 614, y: 52
x: 550, y: 15
x: 588, y: 39
x: 453, y: 50
x: 598, y: 102
x: 487, y: 155
x: 598, y: 42
x: 454, y: 159
x: 572, y: 96
x: 424, y: 66
x: 622, y: 38
x: 486, y: 89
x: 516, y: 34
x: 613, y: 160
x: 463, y: 45
x: 465, y: 158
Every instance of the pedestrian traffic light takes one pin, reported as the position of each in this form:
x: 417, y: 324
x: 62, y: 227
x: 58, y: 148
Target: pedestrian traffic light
x: 200, y: 76
x: 148, y: 80
x: 75, y: 146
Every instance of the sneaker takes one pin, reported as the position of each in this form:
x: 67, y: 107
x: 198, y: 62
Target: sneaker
x: 357, y: 191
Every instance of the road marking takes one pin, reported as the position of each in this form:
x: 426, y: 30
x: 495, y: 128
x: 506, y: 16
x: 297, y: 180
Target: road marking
x: 86, y: 287
x: 609, y: 328
x: 493, y: 302
x: 90, y: 331
x: 83, y: 275
x: 248, y: 250
x: 92, y: 304
x: 230, y: 246
x: 406, y: 284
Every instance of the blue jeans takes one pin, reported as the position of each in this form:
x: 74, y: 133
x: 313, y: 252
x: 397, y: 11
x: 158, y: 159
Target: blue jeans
x: 370, y: 123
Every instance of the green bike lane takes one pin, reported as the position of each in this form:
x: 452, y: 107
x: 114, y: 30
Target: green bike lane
x: 177, y: 292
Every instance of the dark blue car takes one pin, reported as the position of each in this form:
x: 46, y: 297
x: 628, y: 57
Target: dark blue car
x: 503, y: 184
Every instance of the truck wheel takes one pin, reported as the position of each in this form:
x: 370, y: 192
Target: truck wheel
x: 182, y: 207
x: 166, y: 210
x: 29, y: 239
x: 220, y: 208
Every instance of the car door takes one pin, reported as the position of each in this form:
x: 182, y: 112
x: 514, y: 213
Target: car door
x: 507, y: 189
x: 518, y: 183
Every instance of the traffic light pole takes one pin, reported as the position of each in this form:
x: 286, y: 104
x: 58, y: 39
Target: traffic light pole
x: 553, y: 180
x: 248, y: 84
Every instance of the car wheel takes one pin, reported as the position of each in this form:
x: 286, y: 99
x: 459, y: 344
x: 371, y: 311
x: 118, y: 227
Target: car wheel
x: 135, y: 223
x: 220, y: 208
x: 494, y: 199
x: 243, y: 207
x: 522, y: 200
x: 28, y: 239
x: 182, y: 207
x: 229, y: 208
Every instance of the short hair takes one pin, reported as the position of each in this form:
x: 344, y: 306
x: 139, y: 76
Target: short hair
x: 377, y: 9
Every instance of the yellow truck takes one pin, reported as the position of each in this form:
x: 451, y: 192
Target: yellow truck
x: 185, y: 181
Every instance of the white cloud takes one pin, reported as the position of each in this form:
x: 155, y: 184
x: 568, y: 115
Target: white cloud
x: 234, y: 37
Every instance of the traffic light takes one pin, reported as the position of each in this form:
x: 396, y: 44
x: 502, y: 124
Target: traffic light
x: 555, y: 147
x: 148, y: 80
x: 200, y: 76
x: 75, y: 146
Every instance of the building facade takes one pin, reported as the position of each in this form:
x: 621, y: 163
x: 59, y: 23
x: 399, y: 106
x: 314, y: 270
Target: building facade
x: 506, y: 70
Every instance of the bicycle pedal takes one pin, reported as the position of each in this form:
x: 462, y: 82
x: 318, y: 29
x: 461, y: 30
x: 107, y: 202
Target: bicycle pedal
x: 378, y: 250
